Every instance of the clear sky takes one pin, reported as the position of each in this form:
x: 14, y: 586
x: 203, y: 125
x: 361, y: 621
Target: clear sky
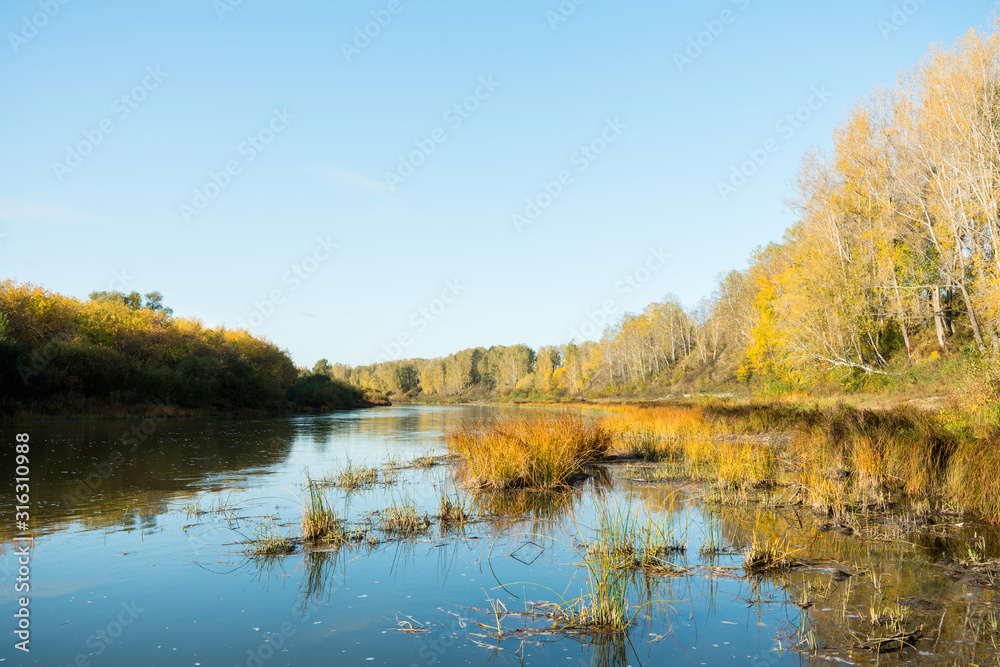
x: 269, y: 164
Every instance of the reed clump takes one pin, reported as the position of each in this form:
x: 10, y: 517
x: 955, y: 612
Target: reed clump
x: 645, y: 445
x: 606, y: 604
x: 655, y: 432
x: 541, y: 452
x: 453, y: 510
x: 845, y: 459
x: 901, y: 448
x: 352, y: 477
x: 974, y: 476
x: 319, y: 520
x: 403, y: 519
x: 758, y: 417
x: 851, y: 458
x: 268, y: 542
x: 768, y: 557
x: 625, y: 541
x: 632, y: 539
x: 707, y: 442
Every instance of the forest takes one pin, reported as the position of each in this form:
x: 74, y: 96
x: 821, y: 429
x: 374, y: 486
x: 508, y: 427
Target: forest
x: 889, y: 279
x: 127, y: 353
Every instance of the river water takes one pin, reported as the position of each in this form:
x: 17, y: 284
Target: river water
x: 138, y: 558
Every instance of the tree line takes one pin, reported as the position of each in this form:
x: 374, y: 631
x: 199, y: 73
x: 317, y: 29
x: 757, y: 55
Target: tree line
x: 893, y: 261
x: 116, y: 351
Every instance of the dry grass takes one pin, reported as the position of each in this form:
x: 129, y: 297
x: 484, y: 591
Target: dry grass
x: 541, y: 452
x: 974, y: 476
x: 843, y: 457
x: 453, y: 511
x: 268, y: 542
x: 745, y: 465
x: 403, y: 519
x: 766, y: 558
x: 632, y: 538
x: 900, y: 448
x: 665, y: 424
x: 352, y: 477
x: 705, y: 444
x: 319, y: 520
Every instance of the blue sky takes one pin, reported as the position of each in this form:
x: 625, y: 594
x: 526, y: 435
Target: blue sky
x: 467, y: 173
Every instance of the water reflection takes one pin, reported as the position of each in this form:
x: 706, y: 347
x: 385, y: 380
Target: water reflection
x: 126, y: 474
x: 520, y: 548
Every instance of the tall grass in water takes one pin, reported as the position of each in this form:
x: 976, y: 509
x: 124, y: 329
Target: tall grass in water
x: 352, y: 477
x: 632, y: 538
x: 666, y: 423
x: 974, y: 476
x: 625, y: 540
x: 319, y: 520
x: 705, y: 421
x: 528, y: 452
x: 764, y: 417
x: 606, y: 603
x: 268, y: 542
x: 704, y: 440
x: 453, y: 511
x: 844, y: 457
x: 404, y: 519
x: 902, y: 448
x: 745, y: 465
x: 768, y: 556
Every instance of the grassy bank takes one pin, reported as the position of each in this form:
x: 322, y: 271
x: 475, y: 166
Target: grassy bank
x: 839, y: 459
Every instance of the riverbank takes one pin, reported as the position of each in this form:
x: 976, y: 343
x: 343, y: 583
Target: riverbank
x: 92, y: 410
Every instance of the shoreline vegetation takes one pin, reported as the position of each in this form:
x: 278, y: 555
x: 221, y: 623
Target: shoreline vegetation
x: 839, y: 461
x: 117, y: 355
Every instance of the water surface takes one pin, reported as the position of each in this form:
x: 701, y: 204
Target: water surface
x: 139, y: 559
